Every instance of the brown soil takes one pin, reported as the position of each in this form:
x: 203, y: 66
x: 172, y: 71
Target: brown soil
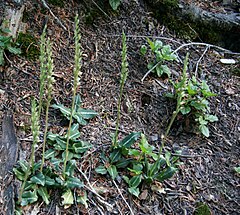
x: 206, y: 174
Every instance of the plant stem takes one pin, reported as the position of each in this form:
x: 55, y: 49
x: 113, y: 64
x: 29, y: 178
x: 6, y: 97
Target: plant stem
x: 49, y: 86
x: 35, y: 132
x: 180, y: 96
x: 124, y: 74
x: 76, y: 74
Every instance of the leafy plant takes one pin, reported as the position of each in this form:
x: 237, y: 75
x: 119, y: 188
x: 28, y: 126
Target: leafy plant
x: 79, y: 114
x: 57, y: 166
x: 142, y: 163
x: 192, y: 100
x: 6, y: 44
x: 114, y: 4
x: 160, y: 55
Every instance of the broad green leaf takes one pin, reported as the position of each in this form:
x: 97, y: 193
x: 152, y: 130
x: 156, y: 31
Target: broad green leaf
x: 14, y: 50
x: 86, y: 114
x: 36, y: 166
x: 114, y: 4
x: 125, y: 178
x: 155, y: 167
x: 159, y: 70
x: 135, y: 181
x: 50, y: 153
x: 70, y: 167
x: 79, y: 119
x: 167, y: 157
x: 24, y: 166
x: 52, y: 136
x: 18, y: 211
x: 83, y: 199
x: 130, y: 139
x: 204, y: 130
x: 165, y: 69
x: 81, y: 147
x: 73, y: 182
x: 143, y: 50
x: 134, y: 191
x: 122, y: 163
x: 192, y: 89
x: 29, y: 197
x: 77, y: 103
x: 74, y: 132
x: 49, y: 181
x: 237, y: 169
x: 19, y: 173
x: 185, y: 110
x: 112, y: 170
x: 151, y: 44
x: 101, y: 170
x: 70, y: 155
x: 166, y: 174
x: 29, y: 186
x: 134, y: 152
x: 38, y: 179
x: 67, y: 197
x: 144, y: 146
x: 211, y: 118
x: 42, y: 191
x: 60, y: 143
x: 65, y: 111
x: 157, y: 45
x: 115, y: 155
x: 56, y: 162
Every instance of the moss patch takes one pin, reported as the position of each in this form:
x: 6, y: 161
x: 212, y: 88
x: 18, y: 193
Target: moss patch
x: 29, y: 46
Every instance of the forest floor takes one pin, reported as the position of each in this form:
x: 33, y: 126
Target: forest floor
x: 207, y: 172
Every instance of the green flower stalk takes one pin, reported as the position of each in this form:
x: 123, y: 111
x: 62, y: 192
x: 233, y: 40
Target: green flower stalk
x: 124, y: 74
x: 180, y: 94
x: 35, y: 132
x: 76, y: 73
x: 43, y: 68
x: 49, y: 88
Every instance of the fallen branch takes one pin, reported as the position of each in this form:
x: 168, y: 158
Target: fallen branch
x: 131, y: 211
x: 57, y: 19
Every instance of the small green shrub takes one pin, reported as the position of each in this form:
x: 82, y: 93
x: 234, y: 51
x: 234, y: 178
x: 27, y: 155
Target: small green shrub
x: 7, y: 44
x: 192, y: 100
x: 160, y: 54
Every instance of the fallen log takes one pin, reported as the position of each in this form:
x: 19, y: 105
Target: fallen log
x: 8, y: 158
x: 197, y: 24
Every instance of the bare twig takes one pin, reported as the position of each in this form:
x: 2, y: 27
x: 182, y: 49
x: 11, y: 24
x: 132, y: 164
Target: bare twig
x: 205, y: 44
x: 57, y: 19
x: 131, y: 211
x: 91, y: 188
x: 199, y: 60
x: 101, y: 9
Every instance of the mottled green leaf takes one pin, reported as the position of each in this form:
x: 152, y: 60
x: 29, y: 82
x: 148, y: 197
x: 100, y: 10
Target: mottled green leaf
x: 112, y: 170
x: 101, y: 170
x: 38, y: 179
x: 67, y: 197
x: 42, y: 191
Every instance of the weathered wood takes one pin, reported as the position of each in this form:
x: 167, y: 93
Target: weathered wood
x: 217, y: 28
x: 12, y: 20
x: 8, y: 158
